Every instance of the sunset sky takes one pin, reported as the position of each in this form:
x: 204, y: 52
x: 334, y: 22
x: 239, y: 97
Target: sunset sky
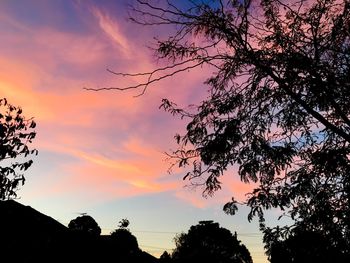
x: 102, y: 153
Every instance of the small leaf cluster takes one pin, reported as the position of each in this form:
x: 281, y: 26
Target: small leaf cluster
x: 16, y: 132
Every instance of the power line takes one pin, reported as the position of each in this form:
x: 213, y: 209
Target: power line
x: 159, y: 248
x: 155, y: 232
x: 246, y: 234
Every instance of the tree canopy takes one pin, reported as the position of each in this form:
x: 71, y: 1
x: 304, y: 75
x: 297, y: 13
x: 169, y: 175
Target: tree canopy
x: 306, y: 246
x: 85, y: 224
x: 123, y: 239
x: 277, y: 105
x: 208, y: 242
x: 16, y: 132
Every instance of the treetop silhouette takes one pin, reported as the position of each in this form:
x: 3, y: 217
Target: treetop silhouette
x: 85, y: 224
x: 208, y: 242
x: 124, y: 239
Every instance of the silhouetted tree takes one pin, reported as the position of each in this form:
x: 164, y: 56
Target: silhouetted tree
x: 208, y: 242
x: 165, y: 257
x: 85, y: 224
x: 16, y: 132
x: 306, y: 246
x: 123, y: 240
x: 277, y: 106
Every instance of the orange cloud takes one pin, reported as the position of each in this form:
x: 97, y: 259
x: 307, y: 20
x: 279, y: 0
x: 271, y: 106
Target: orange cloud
x: 115, y: 140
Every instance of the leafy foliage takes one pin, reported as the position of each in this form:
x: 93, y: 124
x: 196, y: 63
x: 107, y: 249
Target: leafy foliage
x: 208, y: 242
x: 277, y: 106
x: 124, y: 223
x: 16, y: 132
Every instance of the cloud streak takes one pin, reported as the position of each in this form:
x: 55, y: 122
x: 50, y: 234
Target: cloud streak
x: 112, y: 30
x: 115, y: 140
x: 99, y: 148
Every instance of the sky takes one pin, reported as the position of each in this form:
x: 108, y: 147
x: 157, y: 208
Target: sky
x: 102, y: 153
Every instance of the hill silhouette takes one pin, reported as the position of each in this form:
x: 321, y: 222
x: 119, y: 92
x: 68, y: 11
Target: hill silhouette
x: 28, y: 236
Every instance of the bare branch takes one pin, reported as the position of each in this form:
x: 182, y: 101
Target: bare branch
x: 144, y: 85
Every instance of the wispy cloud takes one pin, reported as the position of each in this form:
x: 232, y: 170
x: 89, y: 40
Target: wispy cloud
x: 112, y: 29
x: 116, y: 142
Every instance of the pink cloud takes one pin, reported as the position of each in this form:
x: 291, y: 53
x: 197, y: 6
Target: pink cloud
x: 111, y: 28
x: 115, y: 140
